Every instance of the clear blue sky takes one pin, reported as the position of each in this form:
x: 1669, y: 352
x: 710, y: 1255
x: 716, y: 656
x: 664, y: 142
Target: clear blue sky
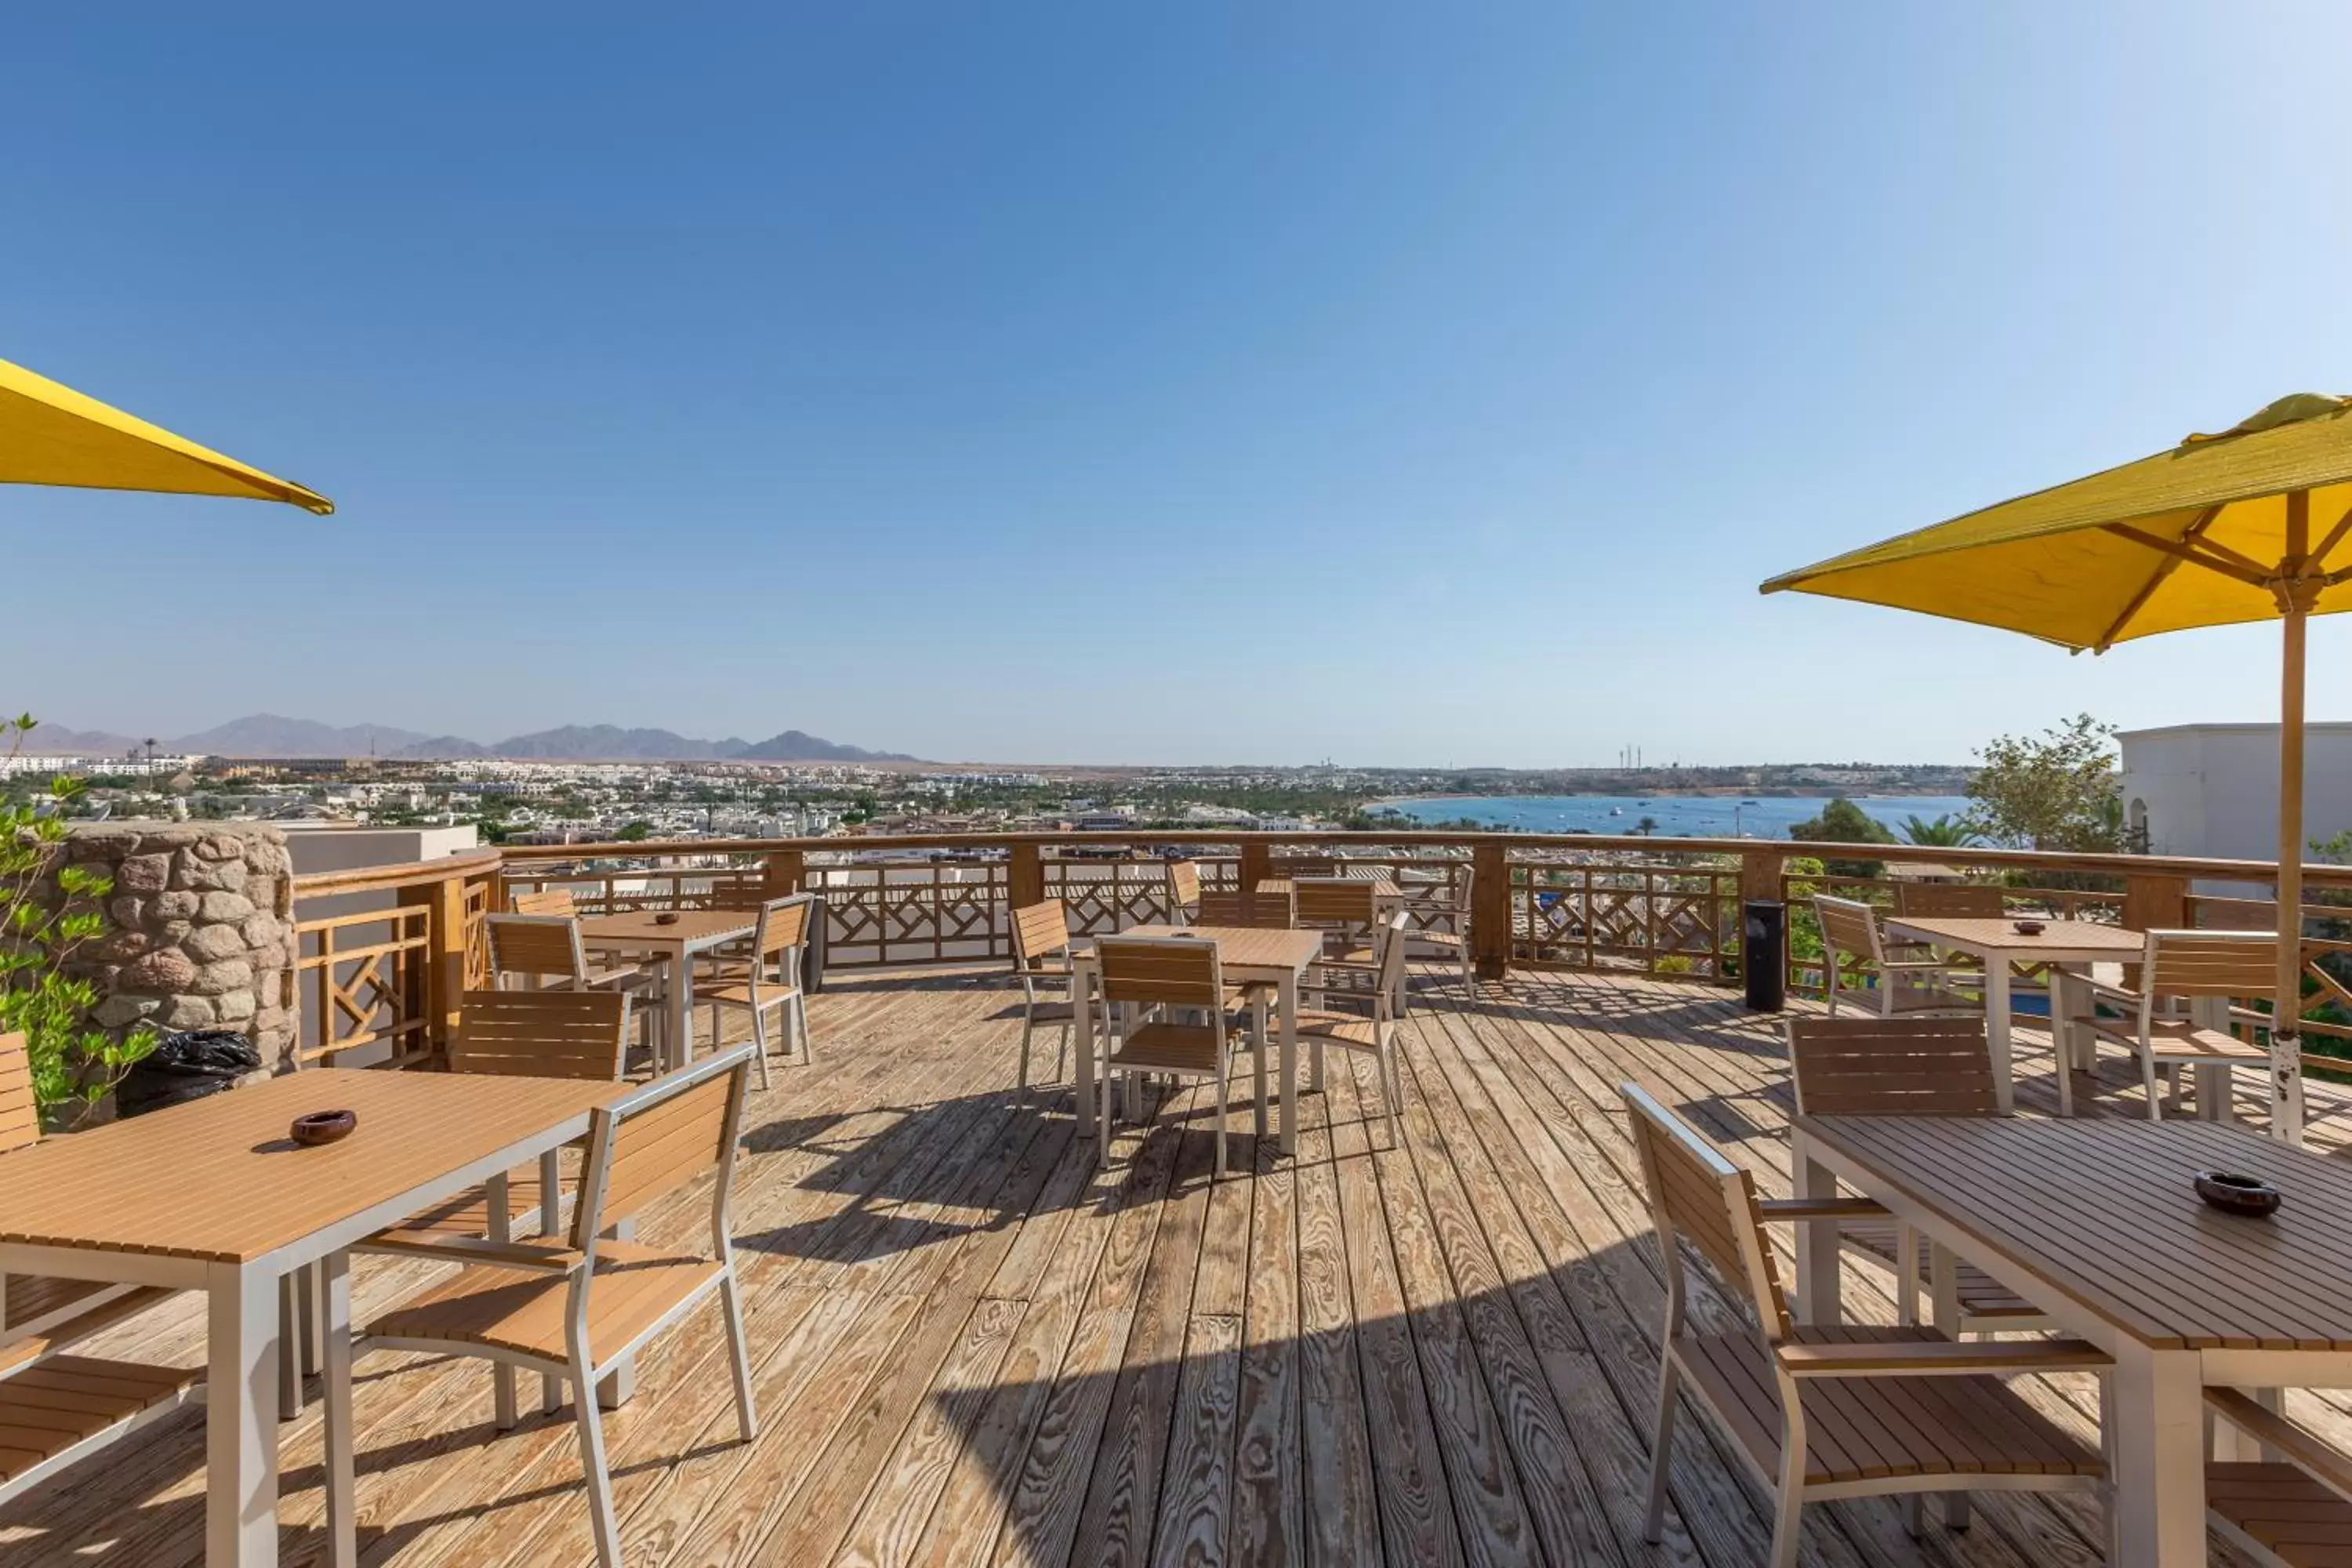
x: 1404, y: 384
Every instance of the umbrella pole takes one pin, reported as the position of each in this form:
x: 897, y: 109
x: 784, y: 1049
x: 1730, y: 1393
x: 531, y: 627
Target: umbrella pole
x: 2296, y: 590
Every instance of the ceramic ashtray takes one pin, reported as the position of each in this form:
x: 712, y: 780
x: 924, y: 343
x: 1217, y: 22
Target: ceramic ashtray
x: 2026, y: 928
x: 322, y: 1127
x: 666, y: 918
x: 2235, y: 1193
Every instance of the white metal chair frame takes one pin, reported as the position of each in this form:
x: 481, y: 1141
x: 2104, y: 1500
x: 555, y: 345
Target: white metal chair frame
x: 581, y: 1368
x: 1454, y: 908
x: 580, y: 976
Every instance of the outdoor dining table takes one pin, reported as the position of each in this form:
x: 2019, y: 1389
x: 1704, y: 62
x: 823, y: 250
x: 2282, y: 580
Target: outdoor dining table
x: 2000, y: 945
x: 692, y: 932
x: 1274, y: 956
x: 214, y: 1195
x: 2098, y: 1223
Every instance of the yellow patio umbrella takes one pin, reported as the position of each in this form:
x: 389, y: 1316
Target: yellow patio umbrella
x: 2252, y: 523
x: 52, y: 435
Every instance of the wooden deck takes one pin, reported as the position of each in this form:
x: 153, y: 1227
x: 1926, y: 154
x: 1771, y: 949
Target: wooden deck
x: 970, y: 1347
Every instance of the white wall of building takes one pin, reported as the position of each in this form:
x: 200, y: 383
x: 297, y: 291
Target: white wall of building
x: 2212, y: 789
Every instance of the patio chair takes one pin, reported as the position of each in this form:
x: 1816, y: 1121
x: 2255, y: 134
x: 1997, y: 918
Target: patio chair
x: 56, y: 1409
x: 2293, y: 1510
x: 1905, y: 1067
x: 1144, y: 985
x: 1832, y: 1411
x: 1041, y: 961
x: 1183, y: 892
x: 1375, y: 1033
x: 544, y: 902
x: 2163, y: 1032
x: 1914, y: 987
x: 763, y: 976
x: 574, y: 1307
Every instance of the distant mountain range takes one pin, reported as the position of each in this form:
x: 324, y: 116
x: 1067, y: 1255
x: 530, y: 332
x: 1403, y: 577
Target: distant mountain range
x: 270, y: 735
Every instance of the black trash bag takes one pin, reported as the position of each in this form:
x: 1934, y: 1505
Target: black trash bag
x: 183, y: 1067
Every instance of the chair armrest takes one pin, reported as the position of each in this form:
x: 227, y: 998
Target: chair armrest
x: 1939, y: 1358
x: 1821, y: 1208
x: 2323, y: 1463
x: 541, y: 1256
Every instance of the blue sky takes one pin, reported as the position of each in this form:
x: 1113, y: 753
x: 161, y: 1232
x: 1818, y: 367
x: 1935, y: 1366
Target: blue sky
x: 1402, y: 385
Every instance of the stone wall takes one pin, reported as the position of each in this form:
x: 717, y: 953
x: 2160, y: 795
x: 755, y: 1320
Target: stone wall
x: 200, y: 929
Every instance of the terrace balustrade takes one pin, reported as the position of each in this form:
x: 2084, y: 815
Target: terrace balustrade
x: 393, y: 976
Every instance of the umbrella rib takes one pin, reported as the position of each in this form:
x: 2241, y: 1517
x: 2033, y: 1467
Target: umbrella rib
x: 2164, y: 569
x: 2334, y: 537
x: 2211, y: 556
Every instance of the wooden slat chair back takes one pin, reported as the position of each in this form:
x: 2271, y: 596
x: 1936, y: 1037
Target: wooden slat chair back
x: 783, y: 926
x: 2240, y: 965
x: 542, y: 1034
x: 1219, y: 907
x: 1294, y: 866
x: 1184, y: 892
x: 20, y: 1113
x: 1339, y: 901
x: 573, y: 1309
x: 544, y: 901
x: 1849, y: 928
x: 660, y: 1145
x: 1040, y: 932
x: 1871, y: 1065
x: 544, y: 947
x: 1949, y: 901
x: 1041, y: 961
x: 56, y: 1409
x: 1851, y: 1420
x: 1160, y: 972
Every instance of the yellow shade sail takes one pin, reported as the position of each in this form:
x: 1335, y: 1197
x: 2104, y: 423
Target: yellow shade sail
x: 2189, y: 537
x: 52, y: 435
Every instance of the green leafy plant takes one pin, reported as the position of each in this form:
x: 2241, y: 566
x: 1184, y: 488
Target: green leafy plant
x: 1842, y: 822
x: 75, y: 1066
x: 1946, y: 832
x: 2053, y: 790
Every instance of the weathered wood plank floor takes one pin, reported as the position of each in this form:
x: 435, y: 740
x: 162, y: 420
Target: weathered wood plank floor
x: 973, y: 1348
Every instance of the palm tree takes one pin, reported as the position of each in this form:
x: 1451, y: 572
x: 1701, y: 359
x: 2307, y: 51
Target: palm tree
x: 1646, y: 826
x: 1946, y: 832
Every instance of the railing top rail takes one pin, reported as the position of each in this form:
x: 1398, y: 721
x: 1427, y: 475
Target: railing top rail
x: 411, y: 874
x: 1380, y: 838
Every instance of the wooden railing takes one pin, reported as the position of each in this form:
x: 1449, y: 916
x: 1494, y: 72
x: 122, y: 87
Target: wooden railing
x: 392, y: 974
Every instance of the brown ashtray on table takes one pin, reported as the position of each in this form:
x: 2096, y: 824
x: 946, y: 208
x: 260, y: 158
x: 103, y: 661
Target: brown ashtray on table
x: 322, y: 1127
x: 665, y: 918
x: 2026, y: 928
x: 2234, y: 1193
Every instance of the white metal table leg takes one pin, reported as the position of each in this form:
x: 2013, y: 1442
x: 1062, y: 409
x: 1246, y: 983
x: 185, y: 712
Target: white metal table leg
x: 2004, y: 1080
x: 335, y: 1276
x: 1819, y: 1298
x: 241, y: 1423
x: 502, y: 1376
x: 2158, y: 1509
x: 1286, y: 998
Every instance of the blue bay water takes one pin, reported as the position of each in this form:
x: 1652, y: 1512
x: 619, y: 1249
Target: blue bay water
x: 1679, y: 816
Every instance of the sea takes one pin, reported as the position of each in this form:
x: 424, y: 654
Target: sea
x: 1678, y: 815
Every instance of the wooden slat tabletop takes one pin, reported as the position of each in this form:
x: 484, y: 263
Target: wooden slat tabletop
x: 1978, y: 933
x: 218, y: 1179
x: 2105, y: 1212
x: 640, y: 927
x: 1246, y: 947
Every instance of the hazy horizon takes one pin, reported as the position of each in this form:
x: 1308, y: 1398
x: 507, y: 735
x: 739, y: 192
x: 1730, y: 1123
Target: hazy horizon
x: 1413, y: 388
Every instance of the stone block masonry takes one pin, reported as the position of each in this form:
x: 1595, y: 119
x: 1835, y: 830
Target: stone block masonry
x: 200, y: 930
